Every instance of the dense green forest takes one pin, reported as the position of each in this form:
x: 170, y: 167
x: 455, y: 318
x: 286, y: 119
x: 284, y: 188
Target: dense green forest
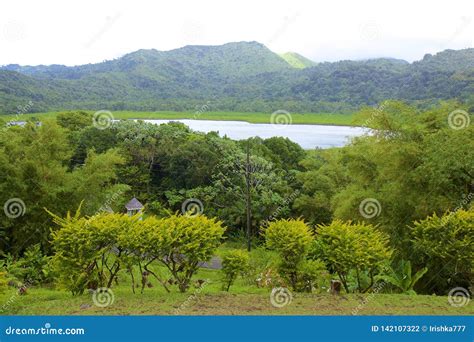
x: 244, y: 77
x: 408, y: 186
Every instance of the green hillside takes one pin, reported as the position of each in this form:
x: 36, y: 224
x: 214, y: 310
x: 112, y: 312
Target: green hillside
x: 241, y: 77
x: 296, y: 60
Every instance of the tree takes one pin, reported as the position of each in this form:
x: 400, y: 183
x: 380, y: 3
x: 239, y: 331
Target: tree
x: 34, y: 171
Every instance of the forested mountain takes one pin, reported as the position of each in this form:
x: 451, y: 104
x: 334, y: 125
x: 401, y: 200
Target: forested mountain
x: 243, y: 76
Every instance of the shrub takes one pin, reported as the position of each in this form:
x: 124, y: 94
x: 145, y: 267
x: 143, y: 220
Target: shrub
x: 446, y: 246
x: 182, y: 242
x: 234, y: 262
x: 3, y: 281
x: 348, y: 247
x: 291, y: 239
x: 262, y: 269
x: 312, y: 275
x: 87, y: 251
x: 33, y: 268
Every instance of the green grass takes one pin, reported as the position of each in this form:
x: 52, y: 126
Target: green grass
x: 307, y: 118
x: 241, y: 300
x: 244, y: 298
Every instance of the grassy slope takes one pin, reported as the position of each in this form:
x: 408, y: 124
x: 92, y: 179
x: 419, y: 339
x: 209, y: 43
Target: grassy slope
x: 309, y: 118
x: 296, y: 60
x: 241, y: 300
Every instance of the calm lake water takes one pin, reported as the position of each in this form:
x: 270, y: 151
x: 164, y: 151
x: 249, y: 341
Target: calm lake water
x: 307, y: 136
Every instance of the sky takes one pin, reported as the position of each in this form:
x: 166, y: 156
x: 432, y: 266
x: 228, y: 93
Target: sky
x: 89, y: 31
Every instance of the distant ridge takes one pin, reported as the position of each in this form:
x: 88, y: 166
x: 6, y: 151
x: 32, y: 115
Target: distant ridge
x: 241, y: 76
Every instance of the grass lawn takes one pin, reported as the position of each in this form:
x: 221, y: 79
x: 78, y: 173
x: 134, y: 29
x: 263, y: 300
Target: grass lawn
x: 242, y: 299
x: 308, y: 118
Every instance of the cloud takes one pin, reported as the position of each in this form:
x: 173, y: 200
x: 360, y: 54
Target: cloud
x: 89, y: 31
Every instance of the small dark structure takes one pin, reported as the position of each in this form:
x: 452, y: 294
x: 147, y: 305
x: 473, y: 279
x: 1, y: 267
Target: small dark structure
x: 133, y: 207
x: 335, y: 287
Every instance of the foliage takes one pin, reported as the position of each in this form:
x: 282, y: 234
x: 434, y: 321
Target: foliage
x: 33, y: 268
x: 87, y: 250
x: 348, y: 247
x: 243, y: 76
x: 185, y: 242
x: 34, y: 168
x: 234, y: 263
x: 414, y: 164
x: 312, y: 275
x: 401, y: 277
x: 291, y: 239
x: 445, y: 244
x: 3, y: 281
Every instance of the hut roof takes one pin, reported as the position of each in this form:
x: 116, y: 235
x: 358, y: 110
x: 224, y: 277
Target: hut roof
x: 134, y: 204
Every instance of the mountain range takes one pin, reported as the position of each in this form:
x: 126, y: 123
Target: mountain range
x: 241, y: 76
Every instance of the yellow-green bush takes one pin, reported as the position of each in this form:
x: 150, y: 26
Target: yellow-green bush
x: 234, y: 262
x: 291, y: 239
x: 352, y: 248
x: 446, y: 246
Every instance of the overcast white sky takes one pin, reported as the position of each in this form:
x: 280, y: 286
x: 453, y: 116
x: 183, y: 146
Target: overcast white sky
x: 77, y: 32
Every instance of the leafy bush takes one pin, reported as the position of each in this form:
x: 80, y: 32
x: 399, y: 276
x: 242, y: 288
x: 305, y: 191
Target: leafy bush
x: 348, y: 247
x: 312, y: 275
x: 33, y: 268
x: 262, y: 268
x: 87, y: 252
x: 234, y: 262
x: 3, y: 281
x: 446, y: 246
x: 291, y: 239
x: 182, y: 242
x: 401, y: 277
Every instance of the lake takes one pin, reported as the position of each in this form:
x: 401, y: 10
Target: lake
x: 307, y: 136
